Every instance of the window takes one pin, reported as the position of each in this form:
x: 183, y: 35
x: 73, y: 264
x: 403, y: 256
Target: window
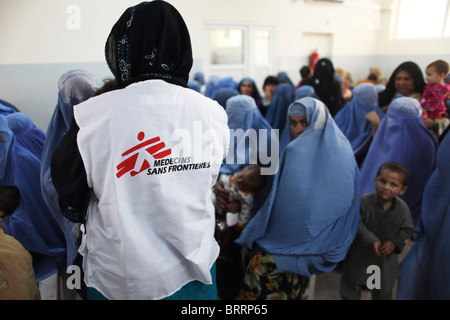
x: 423, y: 19
x: 262, y: 38
x: 239, y: 50
x: 227, y: 46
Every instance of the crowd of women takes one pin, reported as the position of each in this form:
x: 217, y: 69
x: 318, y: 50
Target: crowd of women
x: 274, y: 231
x: 288, y: 203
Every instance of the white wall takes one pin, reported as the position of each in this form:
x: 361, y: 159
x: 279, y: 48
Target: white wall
x: 39, y: 44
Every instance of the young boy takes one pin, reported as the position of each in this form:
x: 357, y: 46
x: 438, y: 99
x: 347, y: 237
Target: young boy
x: 17, y: 281
x: 385, y: 224
x: 434, y: 95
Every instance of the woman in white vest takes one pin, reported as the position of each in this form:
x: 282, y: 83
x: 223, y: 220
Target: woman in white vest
x: 143, y: 159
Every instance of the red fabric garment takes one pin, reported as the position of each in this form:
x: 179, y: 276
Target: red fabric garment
x: 433, y: 101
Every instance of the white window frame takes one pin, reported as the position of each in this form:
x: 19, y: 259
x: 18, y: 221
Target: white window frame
x: 248, y: 66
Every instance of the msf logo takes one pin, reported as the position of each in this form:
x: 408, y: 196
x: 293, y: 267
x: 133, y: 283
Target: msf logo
x: 155, y: 147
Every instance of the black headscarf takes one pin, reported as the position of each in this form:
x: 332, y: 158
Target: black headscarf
x: 326, y: 86
x: 150, y: 41
x: 385, y: 97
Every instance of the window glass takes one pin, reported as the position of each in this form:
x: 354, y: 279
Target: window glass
x: 447, y: 24
x: 262, y: 47
x: 227, y: 46
x: 421, y: 19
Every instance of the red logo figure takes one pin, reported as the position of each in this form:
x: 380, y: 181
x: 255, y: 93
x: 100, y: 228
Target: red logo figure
x: 152, y: 146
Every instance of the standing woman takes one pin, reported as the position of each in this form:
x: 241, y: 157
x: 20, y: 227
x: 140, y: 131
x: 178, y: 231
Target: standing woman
x: 310, y: 217
x: 326, y: 86
x: 406, y: 81
x: 402, y: 137
x: 74, y: 87
x: 149, y: 235
x: 277, y: 110
x: 360, y: 118
x: 423, y: 273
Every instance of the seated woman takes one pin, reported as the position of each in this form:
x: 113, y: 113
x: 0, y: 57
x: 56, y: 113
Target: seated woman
x: 310, y: 217
x: 248, y: 87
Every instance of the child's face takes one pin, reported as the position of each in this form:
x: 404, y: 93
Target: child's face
x: 389, y: 184
x: 298, y: 125
x: 249, y: 179
x: 433, y: 77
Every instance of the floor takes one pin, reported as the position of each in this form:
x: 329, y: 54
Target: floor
x: 326, y: 286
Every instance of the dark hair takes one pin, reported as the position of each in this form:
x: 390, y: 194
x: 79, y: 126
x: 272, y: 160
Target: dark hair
x: 9, y: 199
x: 385, y: 97
x: 305, y: 71
x: 440, y: 65
x: 396, y: 167
x: 271, y: 80
x: 108, y: 85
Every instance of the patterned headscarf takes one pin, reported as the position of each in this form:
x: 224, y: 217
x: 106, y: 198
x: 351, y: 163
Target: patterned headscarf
x: 150, y: 41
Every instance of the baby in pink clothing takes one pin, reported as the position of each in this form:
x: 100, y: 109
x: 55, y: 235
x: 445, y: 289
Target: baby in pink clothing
x: 435, y: 92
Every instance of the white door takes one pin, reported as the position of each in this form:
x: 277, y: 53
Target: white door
x: 320, y: 42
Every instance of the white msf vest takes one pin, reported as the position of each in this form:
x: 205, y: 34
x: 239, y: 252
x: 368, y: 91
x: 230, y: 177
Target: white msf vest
x: 152, y: 153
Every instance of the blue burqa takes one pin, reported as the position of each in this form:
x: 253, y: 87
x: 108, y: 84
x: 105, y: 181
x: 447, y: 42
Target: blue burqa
x: 74, y: 87
x: 32, y: 223
x: 286, y: 135
x: 310, y: 217
x: 6, y: 109
x: 402, y: 137
x: 195, y: 85
x: 424, y: 273
x: 222, y: 95
x: 247, y: 143
x: 305, y: 91
x: 212, y: 86
x: 26, y: 132
x: 277, y: 110
x: 351, y: 119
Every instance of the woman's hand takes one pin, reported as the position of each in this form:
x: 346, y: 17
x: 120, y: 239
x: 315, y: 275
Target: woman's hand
x: 222, y: 195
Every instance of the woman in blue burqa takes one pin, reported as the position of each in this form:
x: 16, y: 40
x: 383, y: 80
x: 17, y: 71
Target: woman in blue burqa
x: 251, y: 140
x: 32, y: 224
x: 26, y: 132
x: 7, y: 108
x: 310, y: 216
x: 277, y: 110
x: 244, y: 119
x: 402, y: 137
x: 74, y: 87
x: 212, y: 86
x: 248, y: 145
x: 360, y: 119
x: 222, y: 95
x: 424, y: 272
